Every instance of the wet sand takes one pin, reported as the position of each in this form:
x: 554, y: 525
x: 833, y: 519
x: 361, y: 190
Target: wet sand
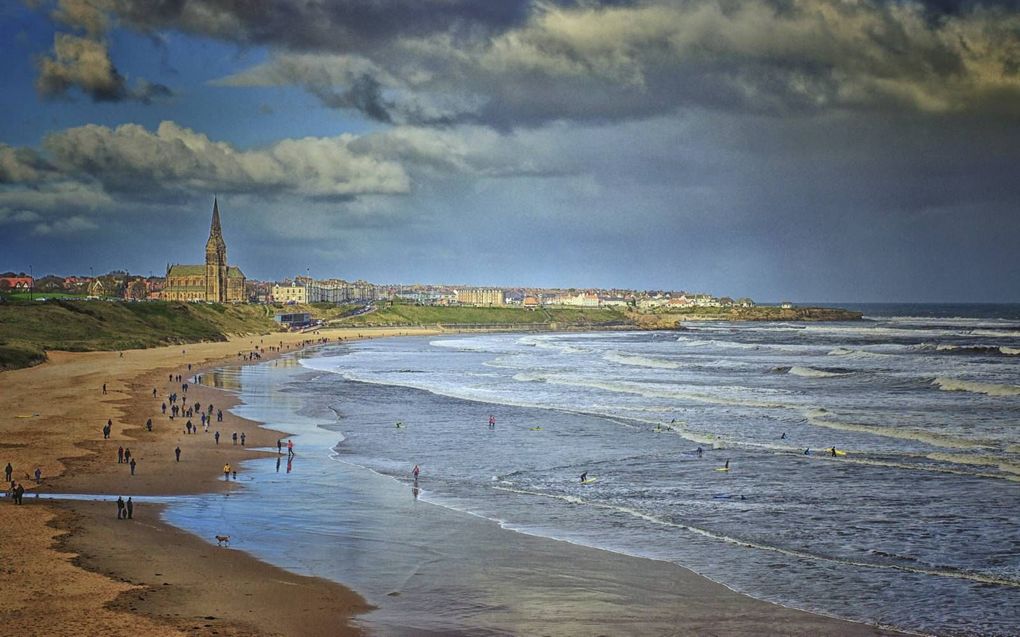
x: 74, y: 569
x: 66, y: 571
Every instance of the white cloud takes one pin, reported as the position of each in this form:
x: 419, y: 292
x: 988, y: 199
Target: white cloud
x: 130, y: 158
x: 76, y: 224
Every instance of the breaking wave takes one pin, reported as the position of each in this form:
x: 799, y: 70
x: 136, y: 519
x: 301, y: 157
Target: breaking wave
x: 639, y: 361
x: 974, y: 387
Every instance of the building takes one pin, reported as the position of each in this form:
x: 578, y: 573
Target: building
x: 296, y: 319
x: 290, y: 294
x: 16, y: 282
x: 215, y: 281
x: 491, y: 296
x: 583, y: 299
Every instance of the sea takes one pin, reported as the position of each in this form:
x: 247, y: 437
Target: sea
x: 867, y: 470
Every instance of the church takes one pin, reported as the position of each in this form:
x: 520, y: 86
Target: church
x: 215, y: 281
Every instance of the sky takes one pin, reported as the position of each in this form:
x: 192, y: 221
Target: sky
x: 810, y: 150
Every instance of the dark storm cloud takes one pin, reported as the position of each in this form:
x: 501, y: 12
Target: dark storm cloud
x: 334, y: 25
x: 596, y: 62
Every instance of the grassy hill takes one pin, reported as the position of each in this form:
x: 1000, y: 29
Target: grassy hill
x: 401, y: 314
x: 27, y: 329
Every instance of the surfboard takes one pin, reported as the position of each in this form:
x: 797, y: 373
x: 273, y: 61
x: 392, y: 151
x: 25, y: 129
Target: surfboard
x: 535, y: 429
x: 839, y: 452
x: 722, y: 468
x: 589, y: 480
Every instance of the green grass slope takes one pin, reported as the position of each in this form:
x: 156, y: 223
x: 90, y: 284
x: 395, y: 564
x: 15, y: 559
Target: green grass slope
x: 28, y: 329
x: 400, y: 314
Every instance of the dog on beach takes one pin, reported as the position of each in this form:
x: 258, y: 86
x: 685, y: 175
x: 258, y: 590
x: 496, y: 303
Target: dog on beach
x: 222, y: 540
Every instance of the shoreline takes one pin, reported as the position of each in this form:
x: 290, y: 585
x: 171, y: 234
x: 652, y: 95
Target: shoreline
x: 51, y: 416
x: 89, y: 534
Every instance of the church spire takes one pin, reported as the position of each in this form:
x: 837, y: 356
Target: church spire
x: 215, y: 230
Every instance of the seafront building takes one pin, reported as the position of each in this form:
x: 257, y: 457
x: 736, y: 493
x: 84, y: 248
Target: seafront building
x: 215, y: 281
x: 481, y: 296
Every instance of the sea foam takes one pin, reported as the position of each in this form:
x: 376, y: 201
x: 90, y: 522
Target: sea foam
x: 974, y: 387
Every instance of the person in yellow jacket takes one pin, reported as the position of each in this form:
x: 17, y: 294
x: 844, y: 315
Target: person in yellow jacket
x: 226, y: 471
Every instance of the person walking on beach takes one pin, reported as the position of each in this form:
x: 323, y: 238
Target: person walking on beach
x: 279, y: 447
x: 120, y: 455
x: 242, y: 438
x: 187, y: 426
x: 177, y: 452
x: 219, y: 415
x: 120, y: 507
x: 415, y: 472
x: 153, y: 392
x: 130, y: 506
x: 106, y: 432
x: 38, y: 475
x: 8, y: 470
x: 127, y: 455
x: 226, y: 471
x: 148, y: 424
x: 19, y: 493
x: 164, y: 408
x: 234, y: 436
x: 104, y: 389
x: 217, y: 437
x: 290, y: 447
x: 133, y: 466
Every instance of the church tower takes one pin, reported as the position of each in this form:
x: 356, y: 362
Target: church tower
x: 216, y: 260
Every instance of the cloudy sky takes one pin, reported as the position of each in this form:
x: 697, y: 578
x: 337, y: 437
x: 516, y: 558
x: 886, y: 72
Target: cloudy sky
x: 826, y: 150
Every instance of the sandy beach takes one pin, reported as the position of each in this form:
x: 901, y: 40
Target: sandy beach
x: 73, y: 568
x: 69, y: 571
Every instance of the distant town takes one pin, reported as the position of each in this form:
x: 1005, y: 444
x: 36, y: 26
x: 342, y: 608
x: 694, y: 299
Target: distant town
x: 216, y: 281
x: 304, y: 290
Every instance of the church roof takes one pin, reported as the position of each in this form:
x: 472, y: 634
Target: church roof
x: 186, y: 270
x: 199, y: 270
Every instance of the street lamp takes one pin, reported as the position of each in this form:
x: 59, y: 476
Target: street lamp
x: 31, y: 281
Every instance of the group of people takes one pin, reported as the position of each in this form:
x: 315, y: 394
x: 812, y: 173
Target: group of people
x: 125, y: 510
x: 124, y: 457
x: 17, y: 491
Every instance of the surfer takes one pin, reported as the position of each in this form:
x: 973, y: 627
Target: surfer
x: 584, y: 476
x: 727, y: 465
x: 399, y: 424
x: 700, y: 452
x: 783, y: 437
x: 415, y: 472
x: 807, y: 452
x: 833, y: 452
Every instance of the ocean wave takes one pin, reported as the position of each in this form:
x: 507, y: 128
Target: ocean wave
x: 997, y: 333
x: 824, y: 419
x: 463, y: 345
x: 639, y: 361
x: 546, y: 342
x: 811, y: 372
x: 1010, y: 351
x: 797, y: 553
x: 999, y: 463
x: 693, y: 342
x: 974, y: 387
x: 678, y: 392
x: 975, y: 349
x: 858, y: 353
